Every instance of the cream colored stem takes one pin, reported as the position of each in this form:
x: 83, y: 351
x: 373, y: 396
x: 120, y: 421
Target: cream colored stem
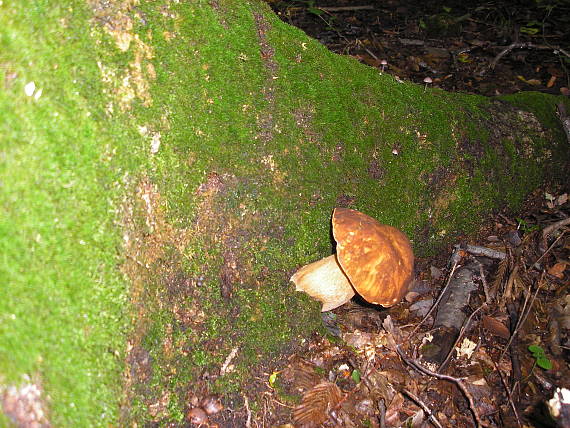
x: 324, y: 280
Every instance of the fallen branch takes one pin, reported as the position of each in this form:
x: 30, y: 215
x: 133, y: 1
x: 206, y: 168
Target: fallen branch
x: 425, y: 408
x: 418, y: 367
x: 482, y: 251
x: 451, y: 314
x: 346, y: 8
x: 525, y: 45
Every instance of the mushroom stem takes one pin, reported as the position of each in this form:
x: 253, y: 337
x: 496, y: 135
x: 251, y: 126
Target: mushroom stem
x: 325, y: 281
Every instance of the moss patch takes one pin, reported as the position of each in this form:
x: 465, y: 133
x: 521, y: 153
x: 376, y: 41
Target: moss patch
x: 207, y: 143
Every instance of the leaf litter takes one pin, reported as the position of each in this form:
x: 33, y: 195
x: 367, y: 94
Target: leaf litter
x: 487, y: 376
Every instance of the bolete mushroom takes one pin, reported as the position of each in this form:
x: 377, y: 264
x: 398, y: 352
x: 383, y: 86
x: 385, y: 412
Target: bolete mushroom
x: 372, y: 258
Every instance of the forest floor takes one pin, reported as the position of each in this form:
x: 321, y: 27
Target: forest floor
x: 508, y: 352
x: 489, y: 49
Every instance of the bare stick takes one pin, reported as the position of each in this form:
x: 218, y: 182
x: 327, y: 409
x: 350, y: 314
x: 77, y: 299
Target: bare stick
x: 528, y: 302
x: 382, y: 409
x: 515, y: 362
x: 526, y: 45
x: 425, y: 408
x: 548, y: 249
x: 371, y: 54
x: 226, y: 366
x: 436, y: 302
x: 464, y: 328
x: 509, y: 395
x: 415, y: 365
x: 246, y: 403
x: 484, y: 281
x: 483, y: 251
x: 345, y: 8
x: 554, y: 226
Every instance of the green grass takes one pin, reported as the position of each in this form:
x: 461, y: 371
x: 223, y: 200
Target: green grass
x: 62, y: 311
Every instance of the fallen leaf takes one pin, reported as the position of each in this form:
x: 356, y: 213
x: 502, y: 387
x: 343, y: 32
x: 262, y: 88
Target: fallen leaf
x: 551, y: 81
x: 533, y: 82
x: 30, y: 88
x: 316, y: 403
x: 557, y: 270
x: 496, y: 327
x: 467, y: 348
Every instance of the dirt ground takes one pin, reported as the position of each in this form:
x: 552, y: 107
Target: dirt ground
x: 488, y: 48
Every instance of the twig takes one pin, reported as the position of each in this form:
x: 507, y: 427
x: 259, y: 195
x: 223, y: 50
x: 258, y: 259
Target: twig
x: 246, y: 403
x: 225, y: 367
x: 415, y: 365
x: 436, y: 302
x: 484, y: 281
x: 515, y: 362
x: 371, y: 54
x: 526, y: 45
x: 482, y: 251
x: 548, y: 249
x: 425, y: 408
x: 382, y: 409
x: 509, y: 395
x: 528, y: 302
x: 464, y: 328
x: 345, y: 8
x: 554, y: 226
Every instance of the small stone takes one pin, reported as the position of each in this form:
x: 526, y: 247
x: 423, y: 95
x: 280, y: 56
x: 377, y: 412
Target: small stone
x: 435, y: 272
x: 514, y: 238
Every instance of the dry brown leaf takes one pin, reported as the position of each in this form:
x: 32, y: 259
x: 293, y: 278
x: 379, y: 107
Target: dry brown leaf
x: 557, y: 270
x: 551, y: 82
x: 392, y: 413
x: 316, y: 405
x: 533, y: 82
x: 500, y: 275
x: 496, y: 327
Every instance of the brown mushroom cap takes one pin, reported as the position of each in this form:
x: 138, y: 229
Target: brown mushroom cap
x: 377, y: 259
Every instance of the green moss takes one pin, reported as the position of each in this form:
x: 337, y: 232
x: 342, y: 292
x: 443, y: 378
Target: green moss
x: 62, y: 320
x: 262, y: 132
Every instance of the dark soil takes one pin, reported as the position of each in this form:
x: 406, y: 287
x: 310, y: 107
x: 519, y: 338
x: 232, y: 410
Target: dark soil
x: 461, y: 46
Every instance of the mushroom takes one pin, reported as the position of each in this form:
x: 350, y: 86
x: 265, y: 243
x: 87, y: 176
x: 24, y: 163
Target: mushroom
x: 373, y: 259
x: 427, y: 80
x: 383, y: 63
